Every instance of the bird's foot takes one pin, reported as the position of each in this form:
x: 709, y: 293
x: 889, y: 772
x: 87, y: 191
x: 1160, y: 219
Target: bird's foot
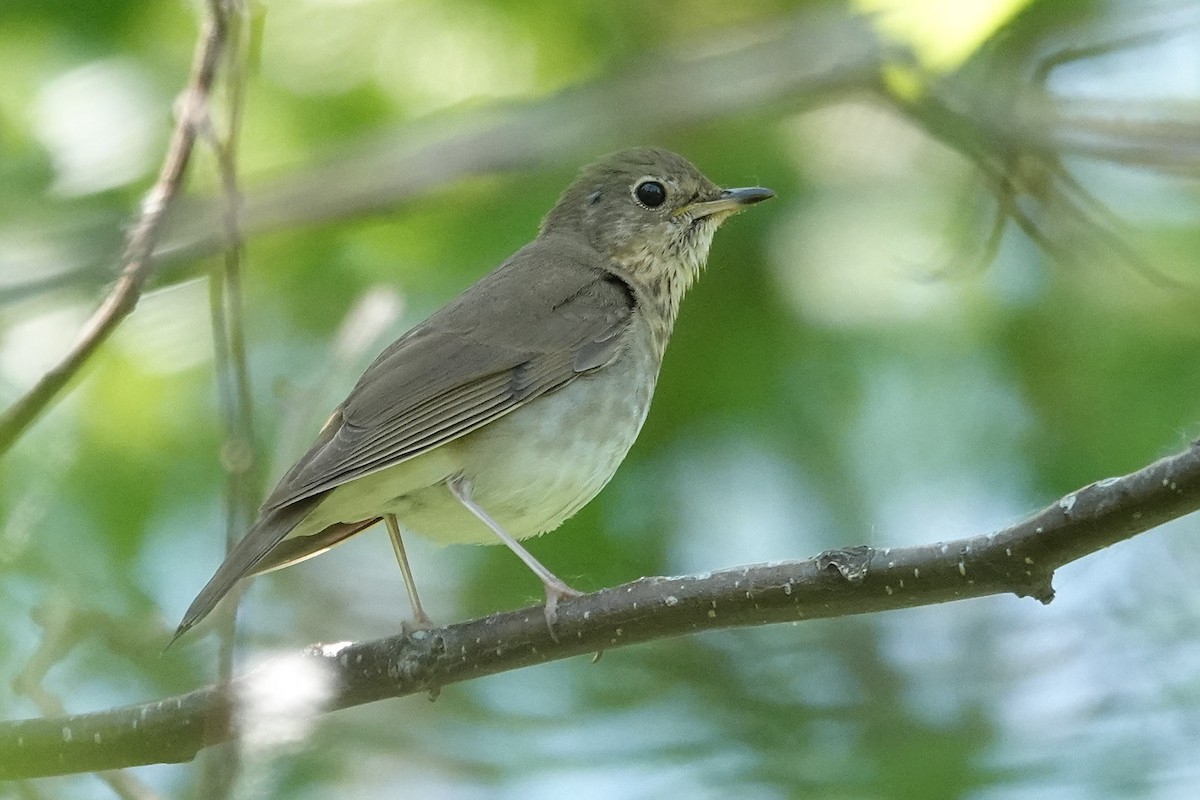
x: 420, y: 622
x: 556, y: 590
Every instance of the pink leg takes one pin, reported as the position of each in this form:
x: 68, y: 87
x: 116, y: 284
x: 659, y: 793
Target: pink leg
x: 419, y: 616
x: 460, y: 487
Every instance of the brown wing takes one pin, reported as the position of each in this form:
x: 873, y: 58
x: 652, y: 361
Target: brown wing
x: 550, y: 313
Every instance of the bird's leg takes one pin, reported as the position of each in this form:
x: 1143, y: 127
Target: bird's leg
x: 460, y: 487
x: 420, y: 618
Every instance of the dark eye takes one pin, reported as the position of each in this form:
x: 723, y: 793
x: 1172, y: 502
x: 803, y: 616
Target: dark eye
x: 651, y: 194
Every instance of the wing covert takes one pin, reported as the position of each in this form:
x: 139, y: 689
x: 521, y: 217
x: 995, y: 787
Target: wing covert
x: 547, y: 315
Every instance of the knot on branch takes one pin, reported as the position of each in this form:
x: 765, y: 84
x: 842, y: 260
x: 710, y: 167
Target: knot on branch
x: 852, y: 563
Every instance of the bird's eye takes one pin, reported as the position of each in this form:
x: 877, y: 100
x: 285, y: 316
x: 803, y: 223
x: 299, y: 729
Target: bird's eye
x: 651, y: 194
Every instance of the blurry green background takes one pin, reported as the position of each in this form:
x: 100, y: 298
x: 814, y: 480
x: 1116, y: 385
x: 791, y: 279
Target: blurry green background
x: 853, y: 368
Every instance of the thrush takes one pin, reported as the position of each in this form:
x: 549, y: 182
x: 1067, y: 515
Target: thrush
x: 510, y: 408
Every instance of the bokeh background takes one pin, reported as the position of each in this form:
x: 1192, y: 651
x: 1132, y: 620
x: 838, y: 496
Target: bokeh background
x: 869, y: 359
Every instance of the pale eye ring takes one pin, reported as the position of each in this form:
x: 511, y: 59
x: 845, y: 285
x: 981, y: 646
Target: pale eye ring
x: 650, y: 193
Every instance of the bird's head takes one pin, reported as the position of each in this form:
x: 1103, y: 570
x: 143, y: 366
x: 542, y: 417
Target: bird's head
x: 652, y: 212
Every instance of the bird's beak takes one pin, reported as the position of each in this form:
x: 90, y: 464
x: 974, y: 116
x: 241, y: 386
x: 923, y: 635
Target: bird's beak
x: 730, y: 201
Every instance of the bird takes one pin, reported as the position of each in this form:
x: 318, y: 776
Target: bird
x: 507, y: 410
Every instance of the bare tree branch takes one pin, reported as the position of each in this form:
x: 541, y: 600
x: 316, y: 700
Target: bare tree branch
x: 1020, y: 559
x: 138, y: 260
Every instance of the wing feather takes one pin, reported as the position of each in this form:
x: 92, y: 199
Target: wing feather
x: 550, y: 313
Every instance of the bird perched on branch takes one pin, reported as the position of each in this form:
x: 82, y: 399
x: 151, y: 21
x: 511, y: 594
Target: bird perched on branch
x: 510, y: 408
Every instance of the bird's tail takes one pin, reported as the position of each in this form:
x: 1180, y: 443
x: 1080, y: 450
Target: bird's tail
x: 270, y: 529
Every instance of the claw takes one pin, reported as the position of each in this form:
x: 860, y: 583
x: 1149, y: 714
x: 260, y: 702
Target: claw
x: 422, y: 623
x: 555, y: 591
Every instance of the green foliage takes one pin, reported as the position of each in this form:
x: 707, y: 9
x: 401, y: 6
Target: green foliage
x: 830, y: 383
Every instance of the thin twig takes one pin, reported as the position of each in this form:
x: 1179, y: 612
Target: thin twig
x: 138, y: 259
x: 1020, y: 559
x: 233, y: 377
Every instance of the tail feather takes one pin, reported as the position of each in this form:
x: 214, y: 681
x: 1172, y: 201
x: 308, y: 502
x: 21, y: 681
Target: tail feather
x: 302, y: 548
x: 270, y: 529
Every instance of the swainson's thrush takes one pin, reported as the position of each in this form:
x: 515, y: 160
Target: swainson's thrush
x: 506, y: 411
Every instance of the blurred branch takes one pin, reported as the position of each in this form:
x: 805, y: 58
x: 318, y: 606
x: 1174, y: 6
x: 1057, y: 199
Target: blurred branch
x: 818, y: 54
x: 1020, y: 559
x: 138, y: 259
x: 1014, y: 133
x: 63, y: 628
x: 1129, y: 135
x: 1020, y: 135
x: 1021, y: 158
x: 229, y: 348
